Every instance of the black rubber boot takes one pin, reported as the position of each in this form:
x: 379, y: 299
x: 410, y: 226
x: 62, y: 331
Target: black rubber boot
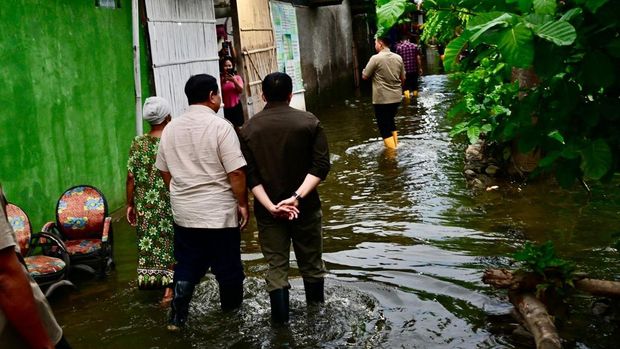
x: 231, y: 296
x: 183, y: 291
x: 314, y: 291
x: 279, y: 305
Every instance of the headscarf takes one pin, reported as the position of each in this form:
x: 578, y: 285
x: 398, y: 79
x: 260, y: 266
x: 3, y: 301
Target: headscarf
x: 155, y: 110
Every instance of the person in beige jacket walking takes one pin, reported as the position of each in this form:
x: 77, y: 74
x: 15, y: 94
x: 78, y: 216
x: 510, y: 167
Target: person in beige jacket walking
x: 387, y: 71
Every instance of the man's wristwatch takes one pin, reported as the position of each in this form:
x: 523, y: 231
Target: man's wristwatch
x: 296, y: 196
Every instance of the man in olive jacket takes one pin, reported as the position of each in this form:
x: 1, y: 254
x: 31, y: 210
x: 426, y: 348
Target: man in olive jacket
x: 287, y: 155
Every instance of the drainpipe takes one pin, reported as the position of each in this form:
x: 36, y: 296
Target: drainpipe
x: 135, y: 24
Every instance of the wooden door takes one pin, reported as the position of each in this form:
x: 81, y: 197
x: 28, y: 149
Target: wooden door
x: 256, y: 48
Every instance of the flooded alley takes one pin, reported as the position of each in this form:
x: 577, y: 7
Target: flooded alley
x: 405, y: 241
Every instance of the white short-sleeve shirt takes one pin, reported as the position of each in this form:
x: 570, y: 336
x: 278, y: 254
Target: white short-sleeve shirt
x: 199, y: 149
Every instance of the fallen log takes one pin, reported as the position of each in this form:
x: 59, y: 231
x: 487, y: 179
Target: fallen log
x: 525, y: 282
x: 537, y: 320
x: 506, y: 279
x: 596, y: 287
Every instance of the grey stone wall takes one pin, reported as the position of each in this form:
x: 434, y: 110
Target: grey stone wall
x: 326, y: 39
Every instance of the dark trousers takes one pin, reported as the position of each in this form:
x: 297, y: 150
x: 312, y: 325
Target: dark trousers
x: 411, y: 81
x: 305, y: 233
x: 197, y: 250
x: 234, y: 115
x: 385, y: 114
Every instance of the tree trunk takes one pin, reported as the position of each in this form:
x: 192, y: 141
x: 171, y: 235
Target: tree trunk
x: 506, y: 279
x: 524, y: 163
x: 537, y: 320
x: 599, y: 287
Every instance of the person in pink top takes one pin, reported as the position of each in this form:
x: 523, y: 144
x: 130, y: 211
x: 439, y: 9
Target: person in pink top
x: 232, y: 87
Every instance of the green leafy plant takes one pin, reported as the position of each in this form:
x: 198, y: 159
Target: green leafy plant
x: 389, y: 12
x: 485, y: 106
x: 442, y: 26
x: 569, y: 114
x: 557, y: 274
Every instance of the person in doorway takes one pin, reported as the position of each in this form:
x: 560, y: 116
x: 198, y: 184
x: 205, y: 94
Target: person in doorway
x: 200, y: 160
x: 26, y: 320
x: 412, y: 61
x: 232, y: 87
x: 148, y: 203
x: 288, y: 157
x: 387, y: 71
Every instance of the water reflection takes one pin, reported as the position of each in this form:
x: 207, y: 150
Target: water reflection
x: 406, y: 243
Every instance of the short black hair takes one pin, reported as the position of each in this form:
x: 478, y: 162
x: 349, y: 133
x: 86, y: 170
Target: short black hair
x: 385, y: 40
x: 199, y: 87
x: 277, y: 87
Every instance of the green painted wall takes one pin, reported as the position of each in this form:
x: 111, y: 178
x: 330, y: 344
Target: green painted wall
x: 66, y: 100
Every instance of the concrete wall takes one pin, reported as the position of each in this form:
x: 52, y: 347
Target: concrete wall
x: 67, y: 100
x: 326, y: 39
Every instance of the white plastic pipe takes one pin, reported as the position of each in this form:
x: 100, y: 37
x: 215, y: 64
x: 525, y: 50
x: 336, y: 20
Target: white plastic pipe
x: 135, y: 23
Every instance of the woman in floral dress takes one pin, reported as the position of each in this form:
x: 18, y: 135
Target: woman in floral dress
x: 148, y: 203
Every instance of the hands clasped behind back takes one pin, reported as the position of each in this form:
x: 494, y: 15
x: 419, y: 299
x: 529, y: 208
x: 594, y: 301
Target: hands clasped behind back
x: 286, y: 209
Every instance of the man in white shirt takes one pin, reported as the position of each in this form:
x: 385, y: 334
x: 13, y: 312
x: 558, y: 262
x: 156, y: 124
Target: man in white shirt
x: 201, y: 161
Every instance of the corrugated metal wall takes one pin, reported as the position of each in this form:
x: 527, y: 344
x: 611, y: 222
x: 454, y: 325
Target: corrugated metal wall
x: 183, y: 43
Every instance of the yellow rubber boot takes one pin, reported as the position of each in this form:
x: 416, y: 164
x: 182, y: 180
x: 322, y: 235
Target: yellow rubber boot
x: 389, y: 142
x: 415, y: 93
x: 407, y: 95
x: 395, y: 137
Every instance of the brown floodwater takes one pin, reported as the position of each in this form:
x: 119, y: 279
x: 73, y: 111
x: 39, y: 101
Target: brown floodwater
x: 406, y: 242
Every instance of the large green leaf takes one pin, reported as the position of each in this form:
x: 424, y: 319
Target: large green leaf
x: 480, y: 29
x: 545, y: 7
x: 594, y: 5
x: 535, y: 20
x: 388, y: 14
x: 382, y: 2
x: 475, y: 22
x: 572, y: 13
x: 559, y: 32
x: 596, y: 159
x: 453, y: 50
x: 517, y: 46
x: 473, y: 134
x: 570, y: 152
x: 459, y: 128
x: 525, y: 5
x: 458, y: 109
x: 549, y: 159
x: 555, y: 134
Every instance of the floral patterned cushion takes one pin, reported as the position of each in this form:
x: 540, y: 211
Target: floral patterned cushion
x: 81, y: 213
x: 44, y: 265
x: 21, y: 226
x: 86, y: 246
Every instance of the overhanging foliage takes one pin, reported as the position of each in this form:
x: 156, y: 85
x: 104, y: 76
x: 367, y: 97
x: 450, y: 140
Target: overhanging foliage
x: 569, y: 112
